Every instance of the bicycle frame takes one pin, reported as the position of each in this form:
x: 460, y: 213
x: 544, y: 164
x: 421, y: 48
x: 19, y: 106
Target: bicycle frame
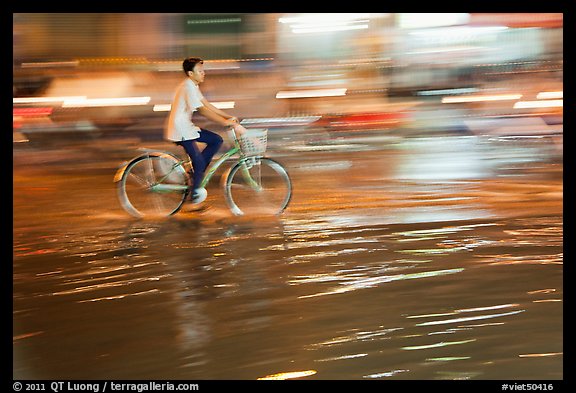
x: 164, y: 172
x: 213, y: 167
x: 235, y: 150
x: 162, y: 187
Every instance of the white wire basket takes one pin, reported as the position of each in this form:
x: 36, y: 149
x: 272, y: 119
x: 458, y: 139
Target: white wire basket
x: 254, y: 141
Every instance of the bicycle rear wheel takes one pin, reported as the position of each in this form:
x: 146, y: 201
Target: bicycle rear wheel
x: 153, y: 185
x: 258, y: 186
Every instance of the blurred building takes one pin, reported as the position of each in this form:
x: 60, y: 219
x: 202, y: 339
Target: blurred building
x: 285, y: 65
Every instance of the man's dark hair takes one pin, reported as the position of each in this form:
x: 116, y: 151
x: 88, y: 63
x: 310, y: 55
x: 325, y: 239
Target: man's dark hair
x: 190, y: 63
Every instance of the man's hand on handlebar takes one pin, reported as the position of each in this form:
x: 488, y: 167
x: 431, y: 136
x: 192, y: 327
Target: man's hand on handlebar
x: 239, y: 129
x: 232, y: 121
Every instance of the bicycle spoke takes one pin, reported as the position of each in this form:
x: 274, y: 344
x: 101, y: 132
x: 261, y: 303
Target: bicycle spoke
x: 241, y: 186
x: 139, y: 180
x: 156, y: 184
x: 150, y: 165
x: 138, y: 194
x: 261, y: 188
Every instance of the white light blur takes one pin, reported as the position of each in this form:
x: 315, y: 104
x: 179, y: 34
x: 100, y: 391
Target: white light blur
x: 221, y: 65
x: 319, y: 23
x: 36, y: 100
x: 323, y: 29
x: 534, y: 355
x: 310, y: 19
x: 445, y: 49
x: 288, y: 375
x: 539, y: 104
x: 480, y: 98
x: 549, y: 94
x: 288, y: 120
x: 416, y: 21
x: 311, y: 93
x: 162, y: 107
x: 95, y: 102
x: 224, y: 104
x: 466, y: 319
x: 457, y: 31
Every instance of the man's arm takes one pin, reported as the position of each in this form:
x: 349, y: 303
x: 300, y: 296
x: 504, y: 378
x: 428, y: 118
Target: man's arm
x: 214, y: 116
x: 219, y: 112
x: 232, y: 122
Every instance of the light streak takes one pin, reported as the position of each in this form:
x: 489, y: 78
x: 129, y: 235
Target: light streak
x: 481, y: 98
x: 311, y: 93
x: 550, y: 94
x: 96, y: 102
x: 539, y: 104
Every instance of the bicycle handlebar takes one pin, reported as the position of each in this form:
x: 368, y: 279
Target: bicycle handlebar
x: 232, y: 131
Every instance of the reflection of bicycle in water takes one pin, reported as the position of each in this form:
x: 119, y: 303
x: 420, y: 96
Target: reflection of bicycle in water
x: 156, y: 183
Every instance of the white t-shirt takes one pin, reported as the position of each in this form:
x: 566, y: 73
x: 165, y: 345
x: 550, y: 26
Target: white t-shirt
x: 187, y: 99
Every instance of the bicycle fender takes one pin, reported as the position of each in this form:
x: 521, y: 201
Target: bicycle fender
x: 120, y: 172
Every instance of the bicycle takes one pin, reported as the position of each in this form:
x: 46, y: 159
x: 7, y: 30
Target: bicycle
x: 157, y: 183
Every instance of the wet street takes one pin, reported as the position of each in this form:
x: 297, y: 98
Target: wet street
x: 416, y: 258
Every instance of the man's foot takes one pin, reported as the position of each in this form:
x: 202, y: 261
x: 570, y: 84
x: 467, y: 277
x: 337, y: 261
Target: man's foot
x: 199, y: 196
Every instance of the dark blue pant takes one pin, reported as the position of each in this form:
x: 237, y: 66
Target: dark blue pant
x: 201, y: 159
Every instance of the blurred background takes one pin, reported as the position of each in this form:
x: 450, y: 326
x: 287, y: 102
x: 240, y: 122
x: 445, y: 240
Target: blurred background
x: 424, y: 238
x: 98, y: 75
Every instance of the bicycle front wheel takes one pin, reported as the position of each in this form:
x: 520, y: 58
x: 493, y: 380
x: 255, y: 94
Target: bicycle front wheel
x: 258, y: 186
x: 153, y: 185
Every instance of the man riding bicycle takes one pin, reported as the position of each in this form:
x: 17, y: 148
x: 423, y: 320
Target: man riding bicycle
x: 180, y: 129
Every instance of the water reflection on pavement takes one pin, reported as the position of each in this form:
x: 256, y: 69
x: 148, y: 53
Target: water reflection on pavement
x: 432, y: 259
